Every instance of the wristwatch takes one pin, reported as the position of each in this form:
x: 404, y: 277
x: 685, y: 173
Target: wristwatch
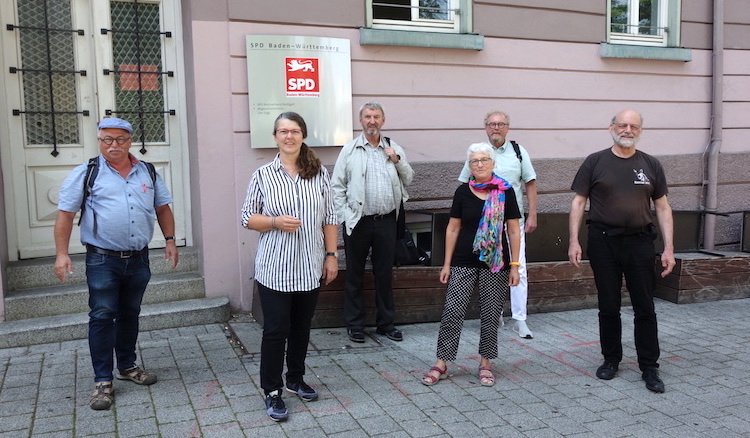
x: 169, y: 238
x: 333, y: 254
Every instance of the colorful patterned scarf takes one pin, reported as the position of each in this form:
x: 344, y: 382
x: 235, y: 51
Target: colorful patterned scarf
x: 488, y: 242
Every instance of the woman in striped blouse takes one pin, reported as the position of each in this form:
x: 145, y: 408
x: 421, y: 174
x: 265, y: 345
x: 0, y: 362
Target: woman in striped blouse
x: 289, y: 202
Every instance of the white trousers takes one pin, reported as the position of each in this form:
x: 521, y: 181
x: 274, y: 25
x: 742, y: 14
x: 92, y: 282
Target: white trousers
x: 520, y: 294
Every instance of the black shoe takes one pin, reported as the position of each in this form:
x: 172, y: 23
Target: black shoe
x: 275, y: 407
x: 356, y: 335
x: 393, y: 334
x: 652, y: 379
x: 303, y: 390
x: 607, y: 371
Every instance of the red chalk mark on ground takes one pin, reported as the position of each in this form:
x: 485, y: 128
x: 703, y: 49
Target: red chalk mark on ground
x: 580, y: 343
x: 396, y: 381
x: 211, y: 389
x: 560, y: 357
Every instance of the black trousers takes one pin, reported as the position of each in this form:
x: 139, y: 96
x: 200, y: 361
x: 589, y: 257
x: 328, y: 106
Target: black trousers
x: 630, y: 255
x: 377, y: 236
x: 286, y: 328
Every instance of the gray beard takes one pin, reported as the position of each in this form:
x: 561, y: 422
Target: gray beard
x: 624, y: 142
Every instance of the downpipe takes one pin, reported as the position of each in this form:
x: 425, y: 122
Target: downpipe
x: 711, y: 158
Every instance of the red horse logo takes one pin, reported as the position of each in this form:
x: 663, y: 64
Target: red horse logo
x: 297, y: 65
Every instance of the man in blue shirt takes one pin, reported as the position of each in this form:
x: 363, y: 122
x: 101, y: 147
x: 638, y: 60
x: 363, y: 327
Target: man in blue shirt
x: 117, y: 225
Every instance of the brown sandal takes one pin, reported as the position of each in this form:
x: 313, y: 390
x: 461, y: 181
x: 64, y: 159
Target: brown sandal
x: 430, y: 380
x: 486, y: 380
x: 103, y: 396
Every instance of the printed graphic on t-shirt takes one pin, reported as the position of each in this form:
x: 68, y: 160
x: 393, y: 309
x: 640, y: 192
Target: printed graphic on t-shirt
x: 640, y: 177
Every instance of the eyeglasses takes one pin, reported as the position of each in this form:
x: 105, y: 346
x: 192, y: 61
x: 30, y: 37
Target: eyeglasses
x: 624, y: 126
x: 120, y: 140
x: 494, y: 125
x: 285, y: 132
x: 484, y: 161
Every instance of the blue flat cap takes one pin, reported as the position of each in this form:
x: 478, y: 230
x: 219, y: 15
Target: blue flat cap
x: 114, y: 122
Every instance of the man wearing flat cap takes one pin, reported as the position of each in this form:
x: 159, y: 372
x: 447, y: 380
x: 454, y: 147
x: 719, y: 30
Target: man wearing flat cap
x: 117, y: 223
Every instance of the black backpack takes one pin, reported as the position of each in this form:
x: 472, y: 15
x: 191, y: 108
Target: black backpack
x: 517, y: 149
x: 92, y: 171
x: 408, y: 253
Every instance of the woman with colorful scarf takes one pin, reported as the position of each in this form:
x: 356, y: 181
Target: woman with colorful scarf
x: 478, y: 252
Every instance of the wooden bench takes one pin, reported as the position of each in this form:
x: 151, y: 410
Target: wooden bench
x: 420, y: 297
x: 554, y: 284
x: 700, y: 277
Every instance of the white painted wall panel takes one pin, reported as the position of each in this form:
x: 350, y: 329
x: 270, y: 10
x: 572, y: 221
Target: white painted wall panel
x: 737, y: 62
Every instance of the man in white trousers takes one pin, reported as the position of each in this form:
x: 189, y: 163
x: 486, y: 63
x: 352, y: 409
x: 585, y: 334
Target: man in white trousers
x: 513, y: 163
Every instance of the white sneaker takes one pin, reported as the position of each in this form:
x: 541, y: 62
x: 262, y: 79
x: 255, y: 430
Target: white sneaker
x: 523, y: 330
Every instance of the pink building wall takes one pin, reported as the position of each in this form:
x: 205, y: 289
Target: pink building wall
x: 560, y: 95
x: 540, y: 63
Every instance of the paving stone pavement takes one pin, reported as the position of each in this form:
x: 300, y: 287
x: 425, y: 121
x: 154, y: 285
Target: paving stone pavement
x: 208, y: 384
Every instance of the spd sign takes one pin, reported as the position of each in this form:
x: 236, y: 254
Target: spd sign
x: 302, y: 78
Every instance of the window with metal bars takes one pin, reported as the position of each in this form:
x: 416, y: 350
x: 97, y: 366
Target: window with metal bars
x: 137, y: 58
x: 49, y: 76
x: 48, y: 72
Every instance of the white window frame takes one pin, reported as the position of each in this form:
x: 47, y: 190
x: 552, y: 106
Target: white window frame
x: 667, y: 25
x: 459, y: 21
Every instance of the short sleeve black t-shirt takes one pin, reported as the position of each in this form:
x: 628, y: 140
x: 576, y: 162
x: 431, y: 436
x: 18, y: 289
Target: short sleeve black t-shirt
x: 467, y: 207
x: 620, y: 190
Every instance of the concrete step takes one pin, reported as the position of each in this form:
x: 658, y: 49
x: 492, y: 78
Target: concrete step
x: 75, y: 326
x: 39, y: 273
x: 60, y: 300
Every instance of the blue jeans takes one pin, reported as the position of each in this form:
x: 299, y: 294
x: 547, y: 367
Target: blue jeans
x: 116, y: 287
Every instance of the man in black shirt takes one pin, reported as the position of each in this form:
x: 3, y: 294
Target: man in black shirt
x: 620, y: 183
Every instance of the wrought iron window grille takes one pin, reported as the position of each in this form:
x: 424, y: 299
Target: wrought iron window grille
x: 50, y: 72
x: 141, y: 112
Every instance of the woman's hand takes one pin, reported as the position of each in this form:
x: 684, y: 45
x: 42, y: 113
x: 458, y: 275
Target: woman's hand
x: 287, y: 223
x: 514, y: 278
x: 330, y: 269
x: 445, y: 273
